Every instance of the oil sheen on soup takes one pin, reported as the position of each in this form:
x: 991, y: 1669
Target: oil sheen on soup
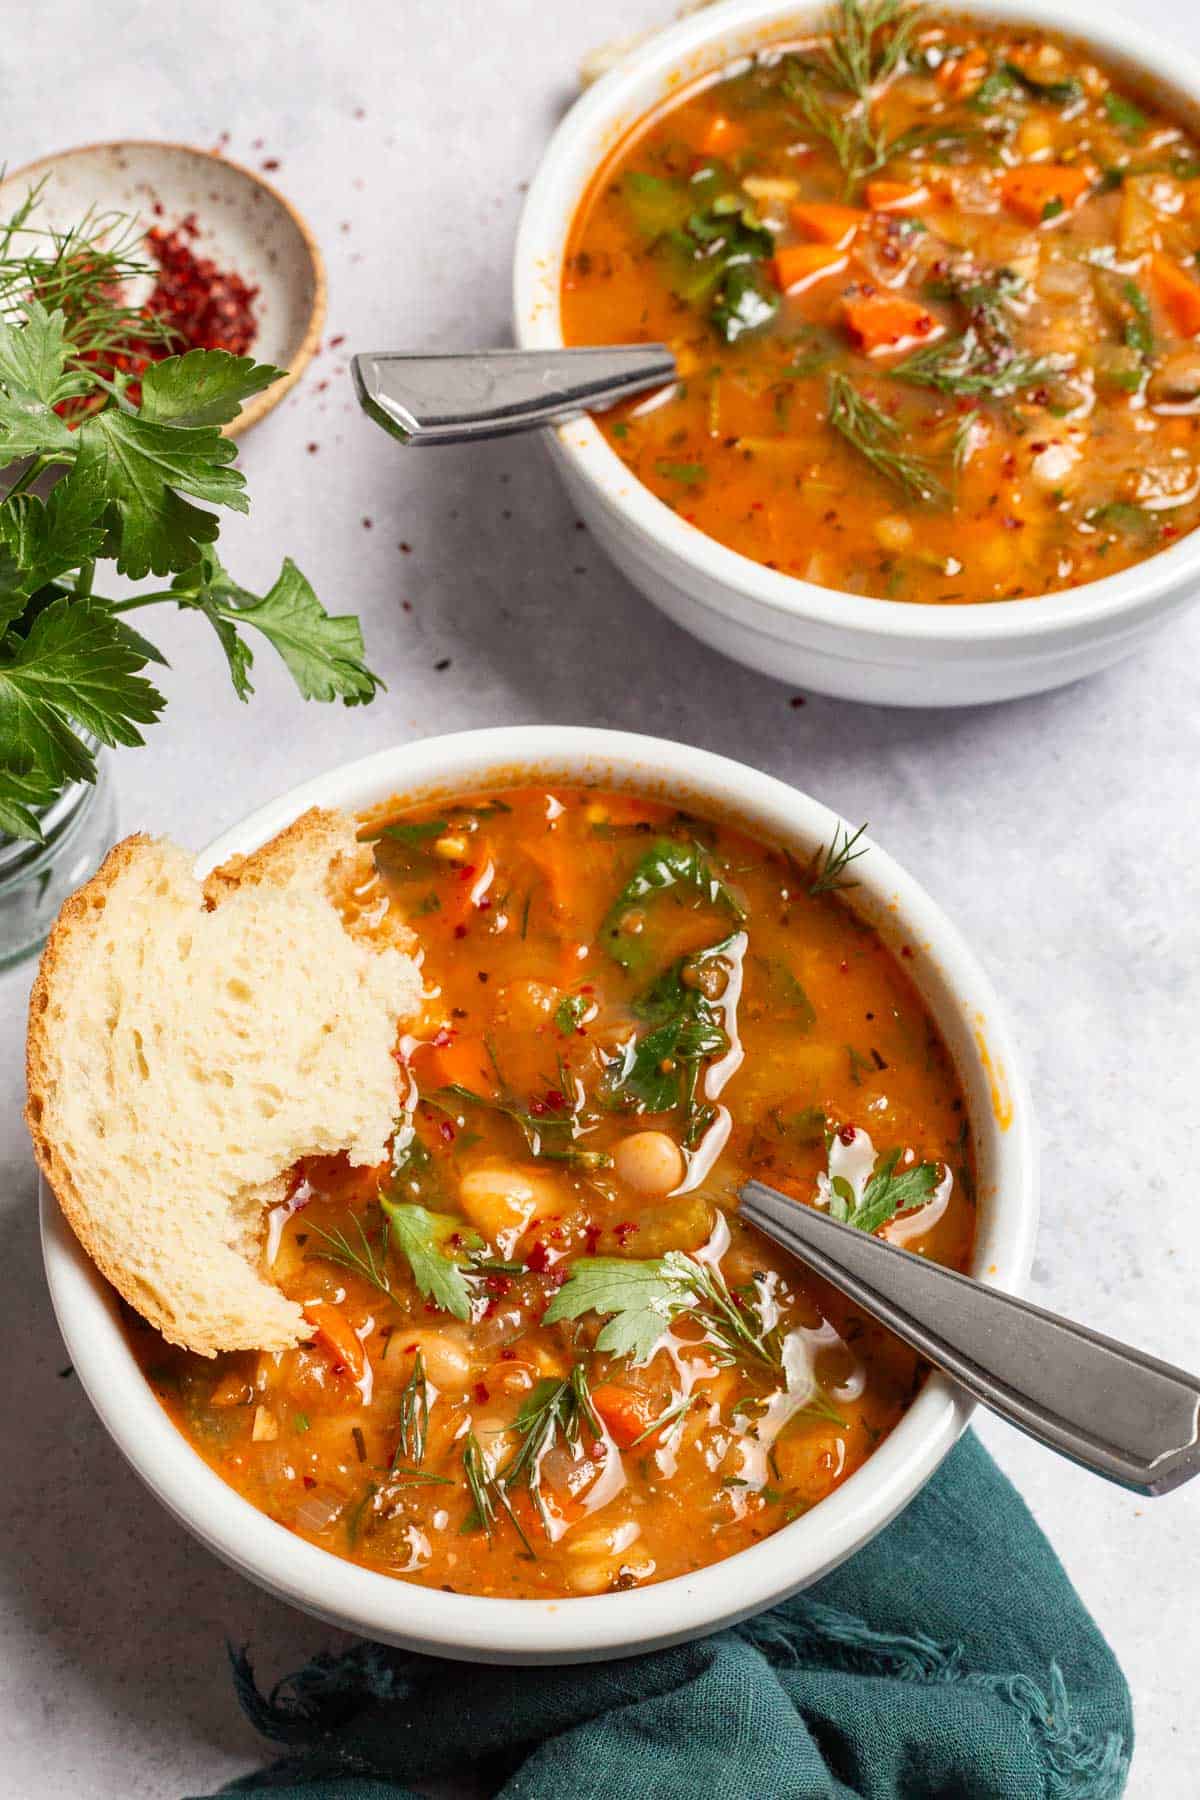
x: 549, y: 1358
x: 933, y: 292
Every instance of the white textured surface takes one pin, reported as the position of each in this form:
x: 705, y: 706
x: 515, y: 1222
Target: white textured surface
x: 1059, y: 832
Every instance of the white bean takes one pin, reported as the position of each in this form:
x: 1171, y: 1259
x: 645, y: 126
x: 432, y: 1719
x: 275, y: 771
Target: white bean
x: 649, y: 1161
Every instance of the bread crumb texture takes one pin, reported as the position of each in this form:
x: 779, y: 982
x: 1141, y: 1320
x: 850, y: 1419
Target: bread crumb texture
x: 189, y: 1044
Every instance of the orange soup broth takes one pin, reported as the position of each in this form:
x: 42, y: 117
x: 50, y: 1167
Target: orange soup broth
x: 1077, y: 454
x: 511, y: 1071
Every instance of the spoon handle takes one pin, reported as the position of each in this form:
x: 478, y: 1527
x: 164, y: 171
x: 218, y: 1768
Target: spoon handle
x: 469, y: 394
x: 1111, y: 1408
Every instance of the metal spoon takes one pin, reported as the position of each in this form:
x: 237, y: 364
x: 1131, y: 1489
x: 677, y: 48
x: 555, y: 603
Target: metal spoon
x: 469, y: 394
x: 1115, y: 1410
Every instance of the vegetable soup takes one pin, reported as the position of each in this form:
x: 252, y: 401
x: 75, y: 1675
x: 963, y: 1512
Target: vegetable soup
x: 549, y: 1358
x: 933, y: 292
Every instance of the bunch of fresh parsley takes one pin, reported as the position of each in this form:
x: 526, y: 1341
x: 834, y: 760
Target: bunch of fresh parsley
x: 95, y: 476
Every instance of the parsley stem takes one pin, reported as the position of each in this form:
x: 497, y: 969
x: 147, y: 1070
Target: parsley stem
x: 181, y: 596
x: 84, y: 579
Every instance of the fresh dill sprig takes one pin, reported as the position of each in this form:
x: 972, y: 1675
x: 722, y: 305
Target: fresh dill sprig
x: 554, y: 1409
x: 871, y: 433
x: 86, y: 273
x: 365, y: 1263
x: 867, y: 42
x: 670, y: 1417
x: 966, y: 365
x: 488, y: 1498
x: 960, y: 449
x: 855, y: 54
x: 414, y: 1416
x: 832, y: 861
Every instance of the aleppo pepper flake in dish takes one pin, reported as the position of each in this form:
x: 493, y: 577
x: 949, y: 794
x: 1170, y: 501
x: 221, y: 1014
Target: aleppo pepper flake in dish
x: 933, y: 287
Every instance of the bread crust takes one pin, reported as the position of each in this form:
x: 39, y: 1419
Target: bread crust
x: 73, y: 914
x: 317, y: 851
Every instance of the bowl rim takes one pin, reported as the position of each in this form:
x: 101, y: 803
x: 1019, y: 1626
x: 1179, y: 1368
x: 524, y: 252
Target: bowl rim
x: 576, y: 1629
x: 259, y: 405
x: 601, y: 118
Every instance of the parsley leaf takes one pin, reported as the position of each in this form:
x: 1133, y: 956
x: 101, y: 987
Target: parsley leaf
x: 423, y: 1236
x: 78, y: 665
x: 644, y: 1297
x: 33, y: 381
x: 147, y: 468
x: 641, y: 1297
x: 886, y: 1193
x: 203, y: 387
x: 667, y: 864
x: 46, y: 538
x: 661, y: 1070
x: 323, y: 654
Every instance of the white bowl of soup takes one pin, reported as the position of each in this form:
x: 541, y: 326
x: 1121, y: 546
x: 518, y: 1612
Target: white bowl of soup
x: 936, y: 437
x: 650, y: 973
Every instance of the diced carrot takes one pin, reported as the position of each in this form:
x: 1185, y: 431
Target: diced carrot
x: 881, y: 323
x: 1037, y: 191
x: 334, y: 1331
x: 454, y: 1059
x: 798, y: 266
x: 963, y: 75
x: 1178, y: 292
x: 896, y: 196
x: 827, y: 222
x: 626, y: 1413
x: 722, y: 137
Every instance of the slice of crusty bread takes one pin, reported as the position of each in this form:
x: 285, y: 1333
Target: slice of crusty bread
x: 189, y: 1043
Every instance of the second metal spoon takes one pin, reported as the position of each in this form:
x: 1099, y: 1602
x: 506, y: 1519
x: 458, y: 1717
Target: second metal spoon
x: 1112, y: 1408
x: 468, y: 394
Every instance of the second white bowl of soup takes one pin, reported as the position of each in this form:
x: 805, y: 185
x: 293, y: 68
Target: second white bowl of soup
x: 935, y: 440
x: 577, y: 895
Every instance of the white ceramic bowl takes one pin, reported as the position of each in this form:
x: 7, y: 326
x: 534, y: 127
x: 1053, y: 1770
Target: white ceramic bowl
x: 833, y: 643
x: 959, y: 996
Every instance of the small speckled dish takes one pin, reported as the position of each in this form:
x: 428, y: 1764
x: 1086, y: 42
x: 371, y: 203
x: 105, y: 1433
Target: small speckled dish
x: 244, y: 224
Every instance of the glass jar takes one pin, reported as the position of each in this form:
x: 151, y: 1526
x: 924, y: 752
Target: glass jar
x: 35, y: 879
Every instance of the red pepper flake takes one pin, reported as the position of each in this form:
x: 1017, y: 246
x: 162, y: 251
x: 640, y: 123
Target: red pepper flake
x: 556, y: 1101
x: 538, y: 1259
x: 499, y: 1285
x: 907, y: 950
x: 367, y: 524
x: 310, y: 1481
x: 847, y: 1134
x: 206, y: 307
x: 335, y: 341
x: 460, y: 931
x: 481, y: 1393
x: 312, y: 449
x: 407, y: 549
x: 624, y: 1231
x: 591, y: 1237
x: 446, y: 1131
x: 797, y: 700
x: 270, y: 163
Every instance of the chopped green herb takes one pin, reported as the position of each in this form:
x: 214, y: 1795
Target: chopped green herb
x: 872, y: 434
x: 364, y: 1262
x: 423, y: 1236
x: 691, y: 474
x: 888, y: 1192
x: 1129, y: 119
x: 414, y: 1415
x: 643, y: 1298
x: 666, y: 865
x: 830, y: 864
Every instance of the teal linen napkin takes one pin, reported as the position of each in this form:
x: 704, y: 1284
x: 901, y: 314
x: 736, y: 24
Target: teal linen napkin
x: 949, y: 1660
